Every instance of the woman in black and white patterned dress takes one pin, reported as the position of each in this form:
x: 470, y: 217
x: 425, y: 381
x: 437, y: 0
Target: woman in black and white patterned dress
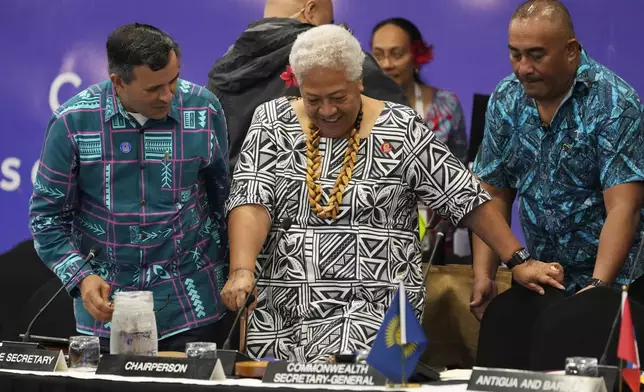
x: 348, y: 171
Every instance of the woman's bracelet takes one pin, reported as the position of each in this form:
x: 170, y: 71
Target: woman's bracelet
x: 252, y: 271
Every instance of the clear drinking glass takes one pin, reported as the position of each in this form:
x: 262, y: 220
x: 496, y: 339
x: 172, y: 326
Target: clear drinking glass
x: 201, y: 350
x: 361, y: 356
x: 84, y: 353
x: 582, y: 366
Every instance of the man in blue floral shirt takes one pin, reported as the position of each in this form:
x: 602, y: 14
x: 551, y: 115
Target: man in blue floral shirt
x: 564, y: 134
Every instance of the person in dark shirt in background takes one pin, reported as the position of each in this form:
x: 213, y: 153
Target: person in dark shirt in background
x: 254, y: 70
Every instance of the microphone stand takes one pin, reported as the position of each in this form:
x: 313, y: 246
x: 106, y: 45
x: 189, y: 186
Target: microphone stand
x: 26, y: 337
x: 441, y: 228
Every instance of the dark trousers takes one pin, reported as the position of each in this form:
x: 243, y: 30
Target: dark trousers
x: 216, y: 332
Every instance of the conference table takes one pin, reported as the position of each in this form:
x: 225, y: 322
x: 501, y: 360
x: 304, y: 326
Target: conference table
x: 28, y: 381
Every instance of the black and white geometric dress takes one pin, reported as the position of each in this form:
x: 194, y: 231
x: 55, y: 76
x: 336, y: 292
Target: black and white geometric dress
x: 332, y: 281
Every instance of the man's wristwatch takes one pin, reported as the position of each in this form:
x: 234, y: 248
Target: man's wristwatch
x: 519, y: 257
x: 598, y: 283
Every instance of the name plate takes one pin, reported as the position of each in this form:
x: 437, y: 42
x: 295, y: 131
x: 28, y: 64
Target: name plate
x: 22, y: 358
x: 323, y: 374
x: 502, y: 380
x: 161, y: 367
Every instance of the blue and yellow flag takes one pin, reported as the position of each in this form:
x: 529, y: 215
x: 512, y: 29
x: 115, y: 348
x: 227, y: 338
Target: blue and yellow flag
x: 400, y: 341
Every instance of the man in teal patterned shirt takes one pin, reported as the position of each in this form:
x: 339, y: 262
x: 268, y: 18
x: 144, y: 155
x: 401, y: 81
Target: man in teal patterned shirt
x: 137, y: 166
x: 564, y: 134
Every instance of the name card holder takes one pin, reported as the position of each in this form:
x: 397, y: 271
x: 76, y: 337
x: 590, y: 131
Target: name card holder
x: 323, y: 374
x: 32, y: 359
x: 504, y: 380
x: 161, y: 367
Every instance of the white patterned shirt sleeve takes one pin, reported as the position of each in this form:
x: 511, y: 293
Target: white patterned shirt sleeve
x: 437, y: 177
x: 254, y: 175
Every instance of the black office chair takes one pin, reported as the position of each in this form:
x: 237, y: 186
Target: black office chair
x: 507, y: 327
x: 479, y: 108
x: 57, y: 320
x: 636, y: 290
x: 579, y: 326
x: 23, y: 275
x: 477, y: 128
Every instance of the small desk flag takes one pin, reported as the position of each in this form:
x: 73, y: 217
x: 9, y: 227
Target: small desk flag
x: 422, y: 225
x: 627, y: 347
x: 400, y: 341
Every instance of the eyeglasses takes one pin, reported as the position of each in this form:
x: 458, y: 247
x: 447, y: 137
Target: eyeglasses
x: 167, y: 302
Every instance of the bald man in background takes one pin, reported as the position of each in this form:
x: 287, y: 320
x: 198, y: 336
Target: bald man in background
x: 254, y: 70
x: 564, y: 135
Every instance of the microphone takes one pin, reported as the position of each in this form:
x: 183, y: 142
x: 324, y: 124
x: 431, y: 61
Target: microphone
x: 441, y: 229
x: 602, y: 360
x: 250, y: 298
x: 92, y: 254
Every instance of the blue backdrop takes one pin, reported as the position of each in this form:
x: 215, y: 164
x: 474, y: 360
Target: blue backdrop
x: 53, y: 49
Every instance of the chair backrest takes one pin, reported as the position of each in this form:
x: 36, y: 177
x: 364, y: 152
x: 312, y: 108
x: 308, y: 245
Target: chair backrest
x: 579, y: 326
x: 23, y: 274
x: 507, y: 327
x: 478, y: 124
x: 57, y: 320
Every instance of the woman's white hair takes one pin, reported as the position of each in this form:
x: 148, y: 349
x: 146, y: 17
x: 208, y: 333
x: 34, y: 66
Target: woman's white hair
x: 327, y: 46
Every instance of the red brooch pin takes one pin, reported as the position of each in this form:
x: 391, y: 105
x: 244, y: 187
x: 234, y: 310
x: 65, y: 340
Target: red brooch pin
x: 386, y: 147
x: 289, y: 77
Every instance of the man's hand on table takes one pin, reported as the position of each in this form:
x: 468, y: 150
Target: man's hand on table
x: 95, y: 293
x: 237, y: 288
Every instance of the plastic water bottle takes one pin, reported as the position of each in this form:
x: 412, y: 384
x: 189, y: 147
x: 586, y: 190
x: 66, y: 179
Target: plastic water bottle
x: 134, y: 325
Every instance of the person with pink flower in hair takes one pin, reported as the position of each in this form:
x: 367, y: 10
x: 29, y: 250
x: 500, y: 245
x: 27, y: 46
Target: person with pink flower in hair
x: 399, y: 48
